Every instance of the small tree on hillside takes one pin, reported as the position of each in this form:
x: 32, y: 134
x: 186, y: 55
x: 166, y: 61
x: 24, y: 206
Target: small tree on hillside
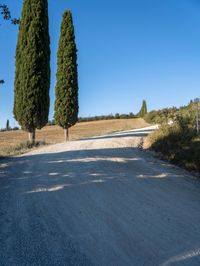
x: 143, y: 110
x: 32, y: 76
x: 7, y: 125
x: 66, y: 103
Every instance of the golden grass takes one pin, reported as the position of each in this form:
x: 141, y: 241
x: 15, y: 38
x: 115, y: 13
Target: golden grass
x: 55, y: 134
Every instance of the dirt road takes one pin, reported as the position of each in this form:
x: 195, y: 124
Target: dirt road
x: 100, y: 201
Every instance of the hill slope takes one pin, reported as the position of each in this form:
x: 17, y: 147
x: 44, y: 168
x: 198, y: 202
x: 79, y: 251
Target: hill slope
x: 54, y: 134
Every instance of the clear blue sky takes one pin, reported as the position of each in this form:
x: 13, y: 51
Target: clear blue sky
x: 128, y: 50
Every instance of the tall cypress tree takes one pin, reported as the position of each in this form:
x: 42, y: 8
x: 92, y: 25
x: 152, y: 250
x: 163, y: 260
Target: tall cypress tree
x: 143, y: 110
x: 66, y: 103
x: 32, y: 76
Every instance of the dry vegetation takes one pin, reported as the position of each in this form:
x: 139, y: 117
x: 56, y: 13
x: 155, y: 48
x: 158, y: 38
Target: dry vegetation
x: 11, y: 141
x: 179, y: 145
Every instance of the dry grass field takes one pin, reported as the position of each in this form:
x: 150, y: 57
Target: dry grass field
x: 54, y: 134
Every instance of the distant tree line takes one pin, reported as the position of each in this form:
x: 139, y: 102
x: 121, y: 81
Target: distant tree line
x: 8, y: 127
x: 100, y: 117
x: 107, y: 117
x: 141, y: 113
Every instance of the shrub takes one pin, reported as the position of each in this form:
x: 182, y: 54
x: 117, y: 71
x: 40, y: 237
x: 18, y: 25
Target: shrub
x: 178, y: 143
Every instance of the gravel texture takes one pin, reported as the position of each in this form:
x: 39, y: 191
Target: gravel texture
x: 98, y: 201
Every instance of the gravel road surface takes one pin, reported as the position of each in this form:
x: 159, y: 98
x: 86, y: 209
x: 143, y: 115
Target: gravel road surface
x: 98, y: 201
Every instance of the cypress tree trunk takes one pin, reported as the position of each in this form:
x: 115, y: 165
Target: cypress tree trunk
x: 31, y: 136
x: 32, y: 75
x: 66, y: 134
x: 66, y: 103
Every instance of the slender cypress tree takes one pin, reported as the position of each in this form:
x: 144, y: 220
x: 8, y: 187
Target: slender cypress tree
x: 66, y: 103
x: 7, y: 125
x: 143, y: 110
x: 32, y: 76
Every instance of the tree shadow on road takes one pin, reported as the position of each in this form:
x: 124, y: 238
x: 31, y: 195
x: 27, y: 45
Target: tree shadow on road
x: 119, y: 191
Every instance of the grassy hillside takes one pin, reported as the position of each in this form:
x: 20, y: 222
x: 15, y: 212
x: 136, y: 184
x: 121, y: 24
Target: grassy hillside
x: 13, y: 142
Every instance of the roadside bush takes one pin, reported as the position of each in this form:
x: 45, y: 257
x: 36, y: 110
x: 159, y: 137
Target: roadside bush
x: 178, y: 143
x: 161, y: 116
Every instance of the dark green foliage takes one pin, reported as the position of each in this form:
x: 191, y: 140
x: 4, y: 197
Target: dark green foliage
x: 107, y: 117
x: 117, y: 116
x: 166, y: 115
x: 179, y: 145
x: 7, y: 125
x: 102, y: 117
x: 32, y: 76
x: 143, y: 110
x: 179, y: 142
x: 5, y: 12
x: 66, y: 103
x: 161, y: 116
